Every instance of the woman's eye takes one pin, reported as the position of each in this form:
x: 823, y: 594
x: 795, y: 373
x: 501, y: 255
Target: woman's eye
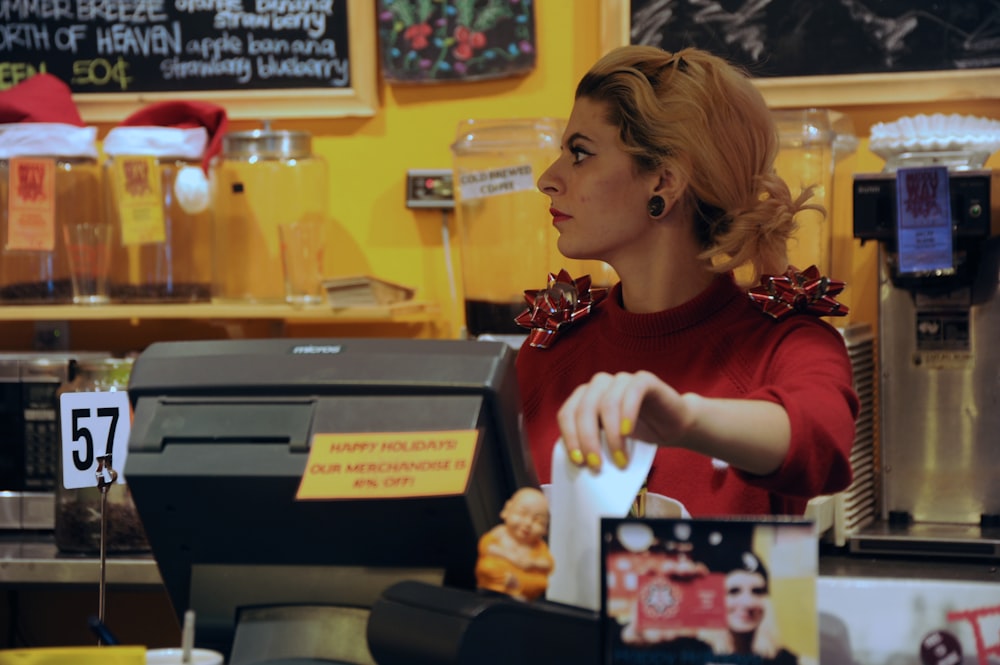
x: 579, y: 154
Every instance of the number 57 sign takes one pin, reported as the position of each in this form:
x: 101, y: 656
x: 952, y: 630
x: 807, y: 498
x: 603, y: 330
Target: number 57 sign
x: 95, y: 429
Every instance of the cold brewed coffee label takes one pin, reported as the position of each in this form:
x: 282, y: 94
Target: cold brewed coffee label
x: 496, y: 182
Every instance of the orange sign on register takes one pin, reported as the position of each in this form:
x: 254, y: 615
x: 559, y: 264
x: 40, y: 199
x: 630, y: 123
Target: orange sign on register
x: 385, y: 465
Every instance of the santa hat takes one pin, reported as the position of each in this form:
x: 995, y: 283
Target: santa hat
x: 38, y: 117
x: 180, y: 129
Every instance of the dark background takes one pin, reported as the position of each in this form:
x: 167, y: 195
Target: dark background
x: 823, y: 37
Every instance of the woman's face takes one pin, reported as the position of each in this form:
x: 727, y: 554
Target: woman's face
x: 598, y: 200
x: 745, y: 594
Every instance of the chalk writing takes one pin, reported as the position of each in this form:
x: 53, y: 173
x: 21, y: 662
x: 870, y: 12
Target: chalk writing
x: 800, y: 38
x: 176, y: 45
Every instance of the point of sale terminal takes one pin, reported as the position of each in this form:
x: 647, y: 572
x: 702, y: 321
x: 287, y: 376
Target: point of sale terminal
x: 279, y: 571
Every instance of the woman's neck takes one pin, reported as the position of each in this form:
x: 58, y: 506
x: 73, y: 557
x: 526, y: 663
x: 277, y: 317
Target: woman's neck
x: 742, y: 642
x: 663, y: 286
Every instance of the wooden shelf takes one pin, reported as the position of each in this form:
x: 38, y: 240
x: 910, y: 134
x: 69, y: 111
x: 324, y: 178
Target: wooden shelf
x: 404, y: 312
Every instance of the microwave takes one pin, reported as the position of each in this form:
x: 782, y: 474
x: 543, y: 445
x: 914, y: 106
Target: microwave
x: 29, y: 436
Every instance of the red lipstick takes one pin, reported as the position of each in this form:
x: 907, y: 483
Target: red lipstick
x: 558, y: 215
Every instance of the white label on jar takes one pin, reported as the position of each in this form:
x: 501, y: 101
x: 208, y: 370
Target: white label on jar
x: 94, y: 435
x: 496, y: 182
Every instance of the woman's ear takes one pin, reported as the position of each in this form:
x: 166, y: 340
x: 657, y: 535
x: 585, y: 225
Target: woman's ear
x: 670, y: 186
x: 671, y: 183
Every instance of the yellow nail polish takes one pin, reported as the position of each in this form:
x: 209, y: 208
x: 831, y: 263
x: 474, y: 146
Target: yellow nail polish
x: 626, y: 428
x: 576, y: 456
x: 620, y: 460
x: 593, y: 460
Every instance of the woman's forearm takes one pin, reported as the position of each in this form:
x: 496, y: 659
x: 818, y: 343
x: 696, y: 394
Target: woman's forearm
x: 751, y: 435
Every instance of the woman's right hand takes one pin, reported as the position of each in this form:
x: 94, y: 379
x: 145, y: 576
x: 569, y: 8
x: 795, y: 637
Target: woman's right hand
x: 625, y: 404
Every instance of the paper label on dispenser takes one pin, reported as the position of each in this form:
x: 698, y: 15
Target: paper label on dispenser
x: 140, y: 199
x: 31, y: 207
x: 379, y: 465
x: 496, y: 182
x: 923, y: 220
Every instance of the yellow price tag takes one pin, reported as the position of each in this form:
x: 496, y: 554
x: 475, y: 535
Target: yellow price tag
x: 140, y: 200
x: 107, y: 655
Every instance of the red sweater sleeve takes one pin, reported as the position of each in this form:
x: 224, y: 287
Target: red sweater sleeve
x: 812, y: 380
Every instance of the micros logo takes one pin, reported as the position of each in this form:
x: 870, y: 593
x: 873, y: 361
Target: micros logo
x: 316, y: 349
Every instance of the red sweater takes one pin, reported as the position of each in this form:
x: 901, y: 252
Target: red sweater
x: 717, y: 345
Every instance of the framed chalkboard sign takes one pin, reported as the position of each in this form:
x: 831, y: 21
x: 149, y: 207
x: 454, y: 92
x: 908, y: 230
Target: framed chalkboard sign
x: 257, y: 58
x: 805, y: 53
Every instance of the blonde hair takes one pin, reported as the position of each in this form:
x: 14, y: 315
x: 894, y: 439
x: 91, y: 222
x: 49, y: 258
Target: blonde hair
x: 704, y: 118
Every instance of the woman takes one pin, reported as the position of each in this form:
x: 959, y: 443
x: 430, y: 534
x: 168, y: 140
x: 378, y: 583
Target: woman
x: 749, y: 616
x: 666, y: 173
x: 750, y: 630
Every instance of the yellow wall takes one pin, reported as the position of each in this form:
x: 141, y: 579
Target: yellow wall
x: 414, y: 126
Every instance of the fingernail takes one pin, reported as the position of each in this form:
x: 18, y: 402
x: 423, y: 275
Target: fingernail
x: 593, y: 460
x: 626, y: 427
x: 619, y: 458
x: 576, y: 456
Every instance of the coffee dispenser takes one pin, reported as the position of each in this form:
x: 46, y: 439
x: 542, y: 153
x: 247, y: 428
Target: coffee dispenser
x: 935, y: 218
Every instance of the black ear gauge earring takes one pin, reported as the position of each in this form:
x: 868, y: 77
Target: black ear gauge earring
x: 656, y: 206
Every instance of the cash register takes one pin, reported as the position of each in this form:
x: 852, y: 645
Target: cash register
x: 218, y: 449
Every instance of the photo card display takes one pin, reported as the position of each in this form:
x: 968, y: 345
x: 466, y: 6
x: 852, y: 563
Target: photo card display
x: 699, y: 591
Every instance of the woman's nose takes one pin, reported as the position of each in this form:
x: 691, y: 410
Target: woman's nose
x: 548, y: 182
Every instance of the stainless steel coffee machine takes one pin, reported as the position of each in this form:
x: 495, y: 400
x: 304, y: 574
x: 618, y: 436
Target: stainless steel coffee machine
x: 938, y: 353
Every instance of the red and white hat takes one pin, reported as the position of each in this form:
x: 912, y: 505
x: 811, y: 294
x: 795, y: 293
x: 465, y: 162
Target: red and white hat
x: 178, y: 129
x: 38, y: 117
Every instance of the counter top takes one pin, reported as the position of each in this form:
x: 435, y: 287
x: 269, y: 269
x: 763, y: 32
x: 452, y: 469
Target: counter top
x: 406, y: 312
x: 34, y: 559
x: 839, y: 563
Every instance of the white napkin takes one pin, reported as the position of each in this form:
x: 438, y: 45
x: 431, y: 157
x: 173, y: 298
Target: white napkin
x: 578, y: 499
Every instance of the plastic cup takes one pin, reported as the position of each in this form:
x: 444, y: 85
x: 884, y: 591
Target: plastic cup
x: 302, y: 246
x: 88, y: 249
x: 176, y: 657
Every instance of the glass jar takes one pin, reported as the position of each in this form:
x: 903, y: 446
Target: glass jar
x: 812, y: 142
x: 508, y: 243
x: 78, y: 511
x: 265, y: 178
x: 40, y: 275
x: 162, y: 245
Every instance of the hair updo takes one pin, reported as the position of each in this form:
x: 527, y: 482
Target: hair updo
x: 704, y: 118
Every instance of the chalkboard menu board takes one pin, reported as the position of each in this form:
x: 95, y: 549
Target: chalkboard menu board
x: 831, y: 51
x: 817, y: 37
x: 287, y: 58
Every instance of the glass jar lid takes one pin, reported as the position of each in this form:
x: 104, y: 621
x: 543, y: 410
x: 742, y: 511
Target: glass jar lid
x: 267, y: 144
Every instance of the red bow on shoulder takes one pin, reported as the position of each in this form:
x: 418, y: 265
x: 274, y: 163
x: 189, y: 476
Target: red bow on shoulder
x: 805, y: 292
x: 564, y: 301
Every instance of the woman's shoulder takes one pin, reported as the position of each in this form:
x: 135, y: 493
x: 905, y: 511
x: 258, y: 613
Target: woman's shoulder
x: 783, y: 657
x: 798, y: 301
